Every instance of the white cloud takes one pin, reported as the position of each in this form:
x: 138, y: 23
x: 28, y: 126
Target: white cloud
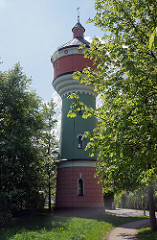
x: 100, y: 39
x: 99, y: 101
x: 58, y: 128
x: 58, y: 106
x: 89, y: 39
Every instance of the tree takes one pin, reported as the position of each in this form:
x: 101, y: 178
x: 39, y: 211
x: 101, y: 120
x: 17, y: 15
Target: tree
x: 49, y: 147
x: 20, y: 124
x: 153, y: 39
x: 125, y: 77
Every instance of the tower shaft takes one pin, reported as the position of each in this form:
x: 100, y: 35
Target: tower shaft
x: 76, y: 185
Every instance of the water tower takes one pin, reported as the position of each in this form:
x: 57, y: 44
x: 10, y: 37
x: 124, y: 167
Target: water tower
x: 76, y: 185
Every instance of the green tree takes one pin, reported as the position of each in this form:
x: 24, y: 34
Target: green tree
x: 49, y: 147
x: 20, y: 124
x: 153, y: 39
x: 125, y: 77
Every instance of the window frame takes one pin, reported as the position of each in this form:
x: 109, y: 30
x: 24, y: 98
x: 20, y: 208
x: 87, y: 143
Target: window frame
x: 80, y: 192
x: 57, y: 65
x: 79, y: 141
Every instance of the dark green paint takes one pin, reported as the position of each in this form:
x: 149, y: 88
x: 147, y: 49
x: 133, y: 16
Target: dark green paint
x: 72, y: 127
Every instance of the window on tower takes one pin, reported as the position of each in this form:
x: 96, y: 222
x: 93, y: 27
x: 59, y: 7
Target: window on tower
x: 57, y: 64
x: 79, y: 33
x: 80, y: 187
x: 80, y: 141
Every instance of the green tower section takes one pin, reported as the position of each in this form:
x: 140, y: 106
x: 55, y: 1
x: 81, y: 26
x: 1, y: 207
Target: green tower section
x: 72, y: 129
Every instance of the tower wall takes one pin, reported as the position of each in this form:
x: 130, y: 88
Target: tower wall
x: 70, y: 60
x: 71, y: 128
x: 67, y: 188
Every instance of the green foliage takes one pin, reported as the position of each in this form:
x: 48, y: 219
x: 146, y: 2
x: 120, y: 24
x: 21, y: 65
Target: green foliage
x: 20, y: 124
x: 71, y: 228
x: 109, y: 200
x: 49, y: 151
x: 146, y: 234
x: 153, y: 39
x: 5, y: 217
x: 135, y: 200
x: 125, y: 77
x: 62, y: 228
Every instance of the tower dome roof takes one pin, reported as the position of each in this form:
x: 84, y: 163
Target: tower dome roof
x: 78, y: 25
x: 78, y: 37
x: 75, y: 42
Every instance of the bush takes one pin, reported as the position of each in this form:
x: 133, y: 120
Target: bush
x: 5, y: 218
x: 108, y: 200
x: 135, y: 200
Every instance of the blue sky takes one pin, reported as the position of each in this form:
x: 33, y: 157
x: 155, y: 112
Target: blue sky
x: 31, y: 30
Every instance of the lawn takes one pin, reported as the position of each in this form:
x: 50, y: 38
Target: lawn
x: 62, y: 228
x: 146, y: 234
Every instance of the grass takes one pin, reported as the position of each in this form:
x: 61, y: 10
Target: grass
x: 146, y: 234
x: 62, y: 228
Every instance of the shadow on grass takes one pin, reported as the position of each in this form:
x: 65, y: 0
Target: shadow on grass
x: 55, y: 222
x: 117, y: 220
x: 146, y: 234
x: 33, y: 223
x: 107, y: 217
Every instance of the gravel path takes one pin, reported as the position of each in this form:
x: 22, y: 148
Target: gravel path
x: 127, y: 231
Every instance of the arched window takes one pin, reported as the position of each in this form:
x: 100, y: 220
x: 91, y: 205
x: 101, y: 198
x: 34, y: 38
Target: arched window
x: 80, y: 187
x: 79, y: 141
x: 79, y: 32
x: 57, y: 64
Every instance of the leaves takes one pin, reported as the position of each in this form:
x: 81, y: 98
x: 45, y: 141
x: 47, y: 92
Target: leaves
x: 21, y: 122
x: 153, y: 39
x: 125, y: 77
x: 49, y: 151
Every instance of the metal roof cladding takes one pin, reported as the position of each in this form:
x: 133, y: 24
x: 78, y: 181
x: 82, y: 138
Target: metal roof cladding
x: 77, y: 41
x: 78, y: 25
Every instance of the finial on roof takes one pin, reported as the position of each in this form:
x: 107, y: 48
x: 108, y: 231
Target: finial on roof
x: 78, y: 14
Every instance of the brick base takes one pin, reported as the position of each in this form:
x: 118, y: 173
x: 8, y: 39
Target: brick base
x: 79, y: 212
x: 67, y: 188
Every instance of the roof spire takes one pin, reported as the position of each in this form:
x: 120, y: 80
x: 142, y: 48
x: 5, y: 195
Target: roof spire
x: 78, y: 14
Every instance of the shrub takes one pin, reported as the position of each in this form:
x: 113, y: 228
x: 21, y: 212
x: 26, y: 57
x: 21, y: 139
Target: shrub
x: 135, y: 200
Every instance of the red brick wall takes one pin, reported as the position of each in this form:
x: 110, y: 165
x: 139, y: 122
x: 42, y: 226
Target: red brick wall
x: 67, y: 184
x: 69, y: 63
x: 76, y: 32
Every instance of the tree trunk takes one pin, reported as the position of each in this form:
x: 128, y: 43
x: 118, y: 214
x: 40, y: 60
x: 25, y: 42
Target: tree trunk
x: 152, y: 209
x: 49, y: 194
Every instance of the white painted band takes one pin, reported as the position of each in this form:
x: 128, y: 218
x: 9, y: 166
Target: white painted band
x: 77, y: 163
x: 65, y: 52
x: 66, y: 84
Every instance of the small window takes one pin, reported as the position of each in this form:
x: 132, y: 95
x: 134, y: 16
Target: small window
x: 57, y: 64
x: 80, y: 141
x: 80, y: 187
x: 79, y: 33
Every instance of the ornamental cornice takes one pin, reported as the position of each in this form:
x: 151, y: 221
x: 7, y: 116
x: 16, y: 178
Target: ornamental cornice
x: 65, y: 52
x: 86, y: 163
x: 65, y: 85
x: 78, y: 92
